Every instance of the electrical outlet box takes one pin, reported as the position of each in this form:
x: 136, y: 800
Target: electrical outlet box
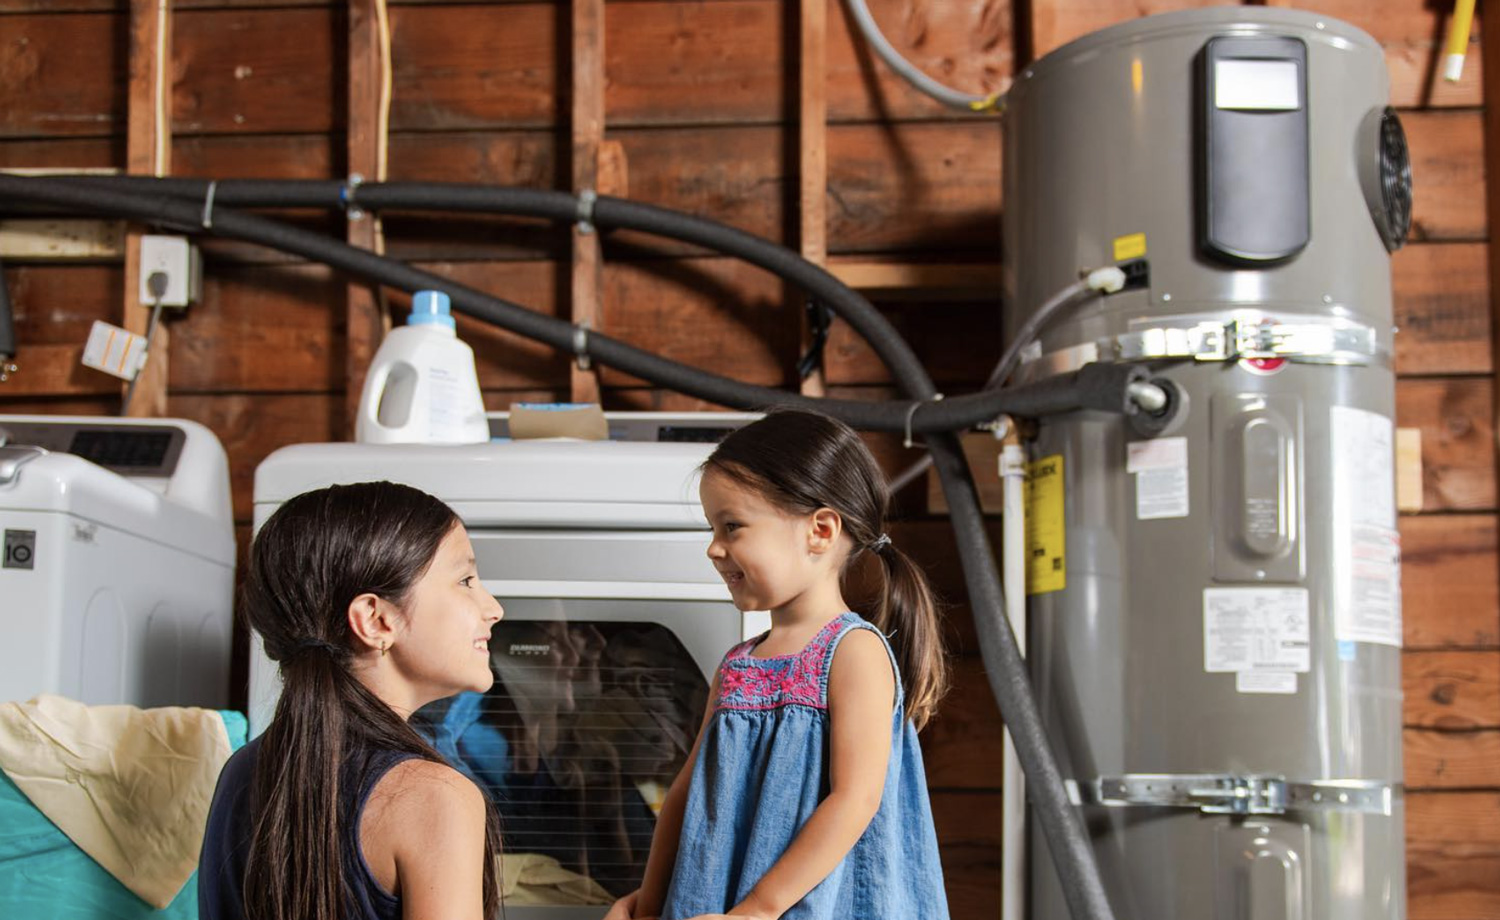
x: 180, y: 261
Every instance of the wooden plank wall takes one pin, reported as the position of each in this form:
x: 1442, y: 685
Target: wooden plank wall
x: 701, y: 99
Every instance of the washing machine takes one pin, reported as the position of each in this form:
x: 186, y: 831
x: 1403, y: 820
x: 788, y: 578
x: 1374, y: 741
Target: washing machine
x: 117, y: 579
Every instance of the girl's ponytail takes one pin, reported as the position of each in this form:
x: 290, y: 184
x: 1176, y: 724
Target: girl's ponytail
x: 907, y: 613
x: 294, y: 868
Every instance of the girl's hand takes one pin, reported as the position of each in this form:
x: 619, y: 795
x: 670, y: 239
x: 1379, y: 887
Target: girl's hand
x: 624, y: 909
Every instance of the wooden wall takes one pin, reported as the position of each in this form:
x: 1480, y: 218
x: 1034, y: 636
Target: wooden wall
x: 701, y: 97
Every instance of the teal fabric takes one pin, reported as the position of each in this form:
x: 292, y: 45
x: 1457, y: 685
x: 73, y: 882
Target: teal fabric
x: 43, y: 876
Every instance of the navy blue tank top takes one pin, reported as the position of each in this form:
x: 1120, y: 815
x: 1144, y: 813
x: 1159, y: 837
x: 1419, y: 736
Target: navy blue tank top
x: 226, y: 841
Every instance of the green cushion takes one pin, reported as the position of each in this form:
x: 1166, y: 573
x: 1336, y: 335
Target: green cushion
x: 43, y: 876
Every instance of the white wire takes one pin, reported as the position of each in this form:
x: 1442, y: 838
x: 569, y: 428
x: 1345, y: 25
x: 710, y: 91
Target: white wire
x: 145, y: 357
x: 1007, y: 363
x: 907, y: 70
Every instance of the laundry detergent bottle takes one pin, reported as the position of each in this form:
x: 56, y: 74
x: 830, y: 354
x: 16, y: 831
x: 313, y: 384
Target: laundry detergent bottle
x: 422, y: 388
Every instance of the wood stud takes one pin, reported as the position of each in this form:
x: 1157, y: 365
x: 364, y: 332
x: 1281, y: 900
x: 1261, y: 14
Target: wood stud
x: 148, y: 152
x: 812, y: 155
x: 365, y: 317
x: 587, y: 130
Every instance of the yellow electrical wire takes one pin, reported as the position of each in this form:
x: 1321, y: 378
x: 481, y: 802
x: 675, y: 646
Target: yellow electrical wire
x: 994, y: 102
x: 162, y: 129
x: 382, y: 140
x: 383, y: 122
x: 1458, y: 40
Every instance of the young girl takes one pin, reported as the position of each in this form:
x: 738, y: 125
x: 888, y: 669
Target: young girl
x: 367, y: 597
x: 804, y: 795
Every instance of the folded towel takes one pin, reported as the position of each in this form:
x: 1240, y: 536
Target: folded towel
x: 130, y: 787
x: 533, y: 879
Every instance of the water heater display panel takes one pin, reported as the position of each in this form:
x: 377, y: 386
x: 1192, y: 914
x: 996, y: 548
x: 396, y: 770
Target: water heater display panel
x: 1255, y: 85
x: 1254, y: 204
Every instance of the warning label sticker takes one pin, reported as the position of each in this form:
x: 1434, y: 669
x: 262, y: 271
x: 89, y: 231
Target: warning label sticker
x: 1130, y: 246
x: 1366, y: 543
x: 1256, y: 629
x: 1265, y: 682
x: 1160, y: 468
x: 1046, y: 528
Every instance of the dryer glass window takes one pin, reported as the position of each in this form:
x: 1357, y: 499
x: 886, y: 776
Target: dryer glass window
x: 595, y: 707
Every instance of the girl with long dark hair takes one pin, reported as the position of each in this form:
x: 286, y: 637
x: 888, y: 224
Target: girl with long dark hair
x: 804, y: 795
x: 367, y: 597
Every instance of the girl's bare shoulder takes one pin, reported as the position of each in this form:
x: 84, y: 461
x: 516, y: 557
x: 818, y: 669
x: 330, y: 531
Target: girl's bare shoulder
x: 427, y: 788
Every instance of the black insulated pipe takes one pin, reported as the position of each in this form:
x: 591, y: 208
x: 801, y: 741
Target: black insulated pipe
x: 168, y: 202
x: 7, y: 324
x: 1067, y: 838
x: 604, y: 212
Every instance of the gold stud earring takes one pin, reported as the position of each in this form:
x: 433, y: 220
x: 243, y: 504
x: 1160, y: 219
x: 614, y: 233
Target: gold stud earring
x: 382, y: 649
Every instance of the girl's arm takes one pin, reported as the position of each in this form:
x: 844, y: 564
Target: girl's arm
x: 653, y: 893
x: 425, y: 825
x: 861, y: 692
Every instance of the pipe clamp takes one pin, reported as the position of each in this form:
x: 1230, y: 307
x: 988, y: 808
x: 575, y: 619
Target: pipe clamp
x: 1230, y: 794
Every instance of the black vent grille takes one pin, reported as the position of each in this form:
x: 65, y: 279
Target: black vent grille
x: 1395, y: 181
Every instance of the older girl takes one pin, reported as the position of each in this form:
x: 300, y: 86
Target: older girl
x: 367, y: 597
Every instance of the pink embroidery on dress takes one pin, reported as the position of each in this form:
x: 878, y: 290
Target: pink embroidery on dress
x: 746, y: 682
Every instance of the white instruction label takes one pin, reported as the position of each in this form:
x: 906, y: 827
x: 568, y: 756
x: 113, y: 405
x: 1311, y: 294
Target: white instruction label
x: 1160, y: 467
x: 446, y: 405
x: 1255, y: 629
x: 114, y: 351
x: 1265, y: 682
x: 1366, y: 543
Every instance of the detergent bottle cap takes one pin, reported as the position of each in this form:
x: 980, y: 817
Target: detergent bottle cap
x: 430, y: 308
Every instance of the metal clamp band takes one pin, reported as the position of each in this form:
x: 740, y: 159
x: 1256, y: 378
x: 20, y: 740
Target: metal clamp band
x: 1308, y: 340
x: 586, y: 201
x: 352, y: 210
x: 208, y: 205
x: 1228, y: 794
x: 1312, y: 342
x: 581, y: 346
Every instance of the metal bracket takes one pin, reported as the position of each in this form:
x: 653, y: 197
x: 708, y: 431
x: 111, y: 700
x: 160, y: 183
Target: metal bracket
x: 581, y: 346
x: 585, y: 218
x: 1313, y: 342
x: 352, y: 210
x: 1228, y: 794
x: 1308, y: 340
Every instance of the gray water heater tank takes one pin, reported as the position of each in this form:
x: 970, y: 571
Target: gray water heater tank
x: 1214, y: 612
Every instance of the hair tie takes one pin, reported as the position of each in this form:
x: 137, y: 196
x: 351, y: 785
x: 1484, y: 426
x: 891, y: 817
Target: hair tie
x: 304, y: 645
x: 880, y: 543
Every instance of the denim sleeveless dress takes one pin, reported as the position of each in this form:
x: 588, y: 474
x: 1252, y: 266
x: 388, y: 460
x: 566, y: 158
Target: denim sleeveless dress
x: 762, y: 770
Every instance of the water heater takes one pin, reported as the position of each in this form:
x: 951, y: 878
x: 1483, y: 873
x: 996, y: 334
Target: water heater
x: 1214, y: 612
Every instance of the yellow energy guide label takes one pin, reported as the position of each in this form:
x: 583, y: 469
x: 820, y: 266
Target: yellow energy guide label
x: 1046, y: 534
